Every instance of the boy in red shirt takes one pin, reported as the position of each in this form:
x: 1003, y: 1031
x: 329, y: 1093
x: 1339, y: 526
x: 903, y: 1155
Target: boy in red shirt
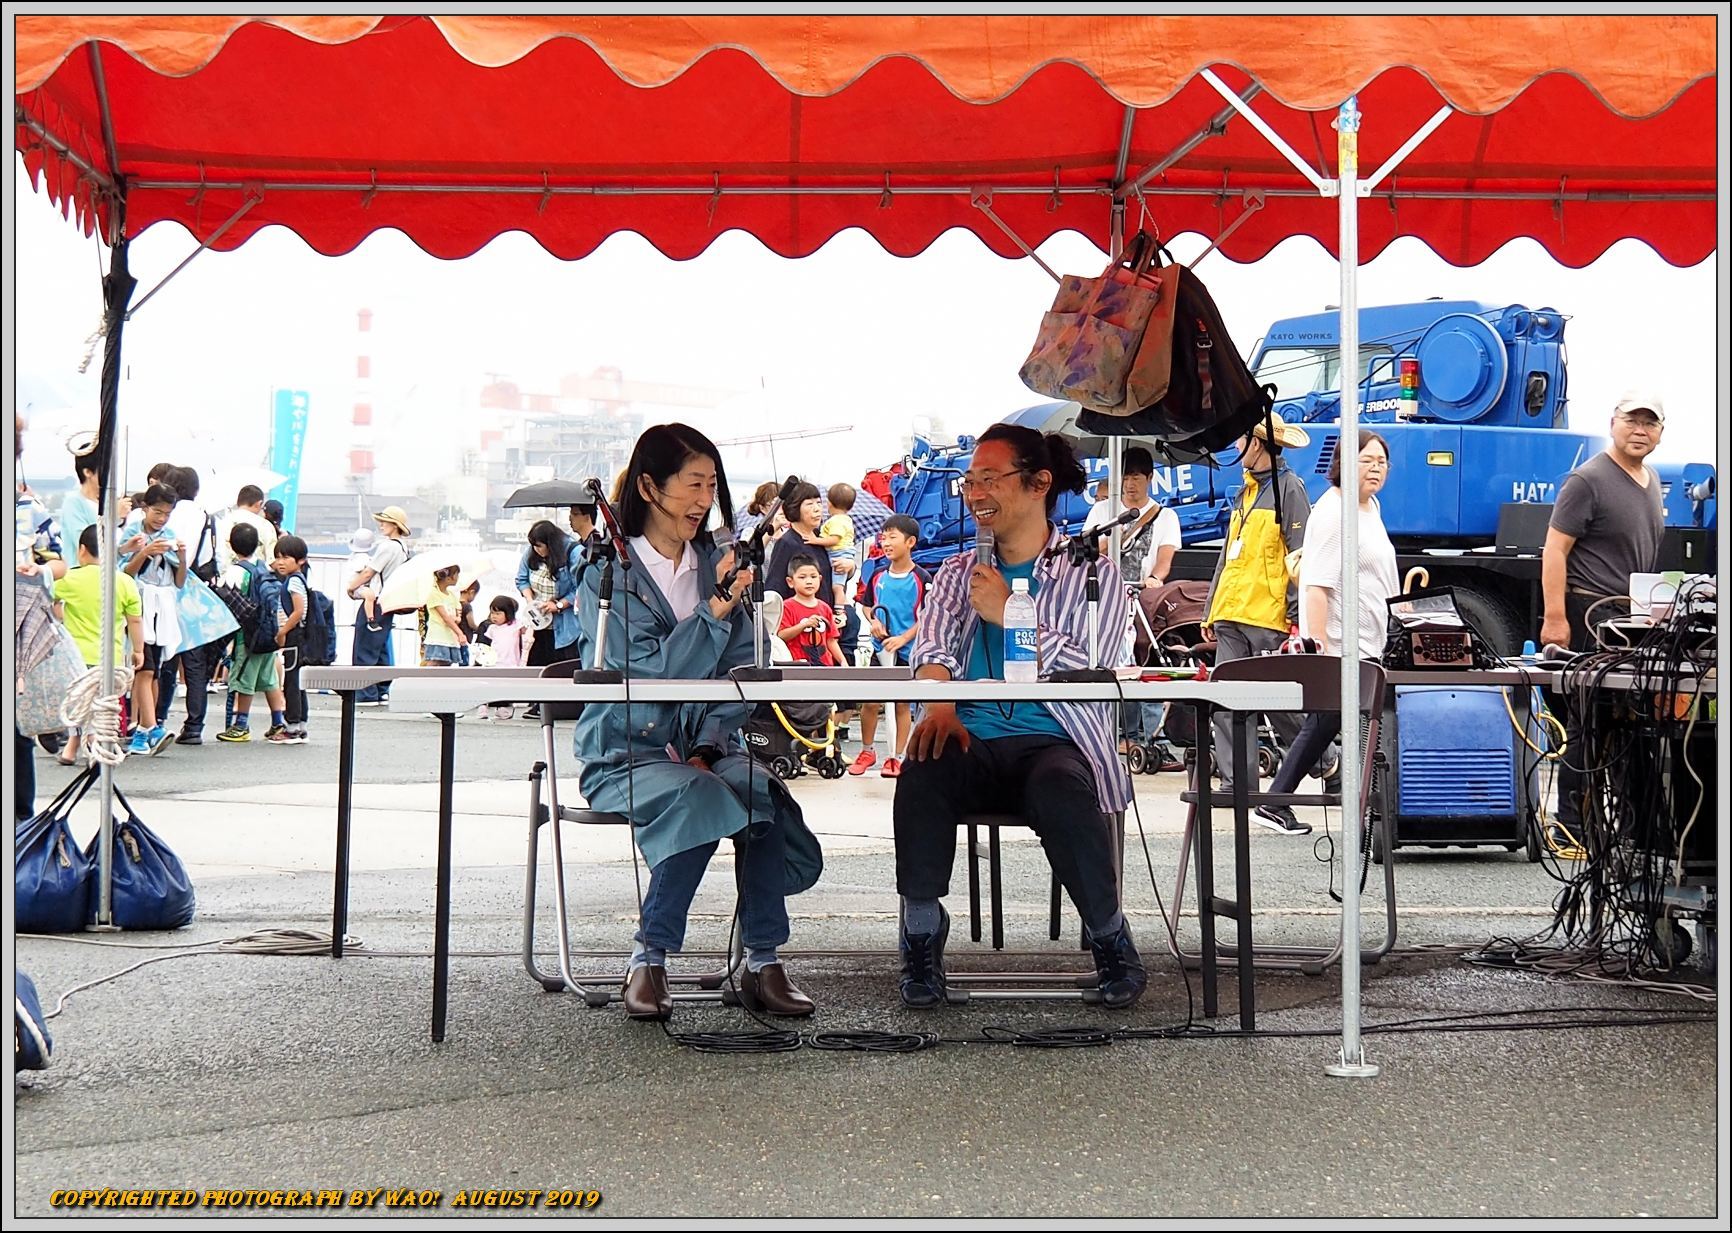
x: 808, y: 623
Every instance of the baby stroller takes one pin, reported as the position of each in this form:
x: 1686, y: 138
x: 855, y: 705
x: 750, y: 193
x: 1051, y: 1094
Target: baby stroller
x: 1168, y: 624
x: 792, y: 737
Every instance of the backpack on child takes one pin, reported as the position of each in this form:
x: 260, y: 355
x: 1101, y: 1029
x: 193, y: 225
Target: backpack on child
x: 239, y: 601
x: 268, y: 592
x: 319, y: 642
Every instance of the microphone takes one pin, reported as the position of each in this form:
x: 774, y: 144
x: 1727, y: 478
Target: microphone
x: 985, y: 545
x: 755, y: 545
x: 1123, y: 520
x: 610, y: 520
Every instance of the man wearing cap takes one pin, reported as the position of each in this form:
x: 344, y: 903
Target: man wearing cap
x: 1606, y: 525
x: 373, y: 638
x: 1252, y: 600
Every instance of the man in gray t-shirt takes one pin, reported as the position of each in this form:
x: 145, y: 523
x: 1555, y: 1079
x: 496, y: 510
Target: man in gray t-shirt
x: 1606, y: 525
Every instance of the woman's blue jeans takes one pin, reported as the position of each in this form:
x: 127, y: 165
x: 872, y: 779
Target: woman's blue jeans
x: 759, y: 861
x: 372, y: 650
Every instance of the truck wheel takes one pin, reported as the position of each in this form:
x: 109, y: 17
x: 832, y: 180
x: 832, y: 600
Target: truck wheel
x: 1493, y: 617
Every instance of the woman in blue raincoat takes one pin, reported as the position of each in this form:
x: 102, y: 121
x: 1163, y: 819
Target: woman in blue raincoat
x: 679, y: 769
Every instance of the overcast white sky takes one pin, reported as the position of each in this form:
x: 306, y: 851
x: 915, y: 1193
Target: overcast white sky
x: 848, y: 336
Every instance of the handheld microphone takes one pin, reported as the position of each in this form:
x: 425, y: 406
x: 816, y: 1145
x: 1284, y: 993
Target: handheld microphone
x: 985, y: 545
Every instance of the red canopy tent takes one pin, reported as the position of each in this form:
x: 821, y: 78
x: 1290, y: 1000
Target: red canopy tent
x: 1576, y: 131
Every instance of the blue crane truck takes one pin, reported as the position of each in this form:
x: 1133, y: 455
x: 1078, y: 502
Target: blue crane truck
x: 1473, y: 400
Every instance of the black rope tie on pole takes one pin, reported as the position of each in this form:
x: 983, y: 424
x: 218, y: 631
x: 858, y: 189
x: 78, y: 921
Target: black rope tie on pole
x: 117, y: 288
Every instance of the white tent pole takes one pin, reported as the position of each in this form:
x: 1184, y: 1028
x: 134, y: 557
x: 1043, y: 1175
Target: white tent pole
x: 1352, y: 1063
x: 108, y: 551
x: 117, y: 291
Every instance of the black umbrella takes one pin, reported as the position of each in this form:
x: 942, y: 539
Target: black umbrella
x: 1061, y: 417
x: 550, y: 493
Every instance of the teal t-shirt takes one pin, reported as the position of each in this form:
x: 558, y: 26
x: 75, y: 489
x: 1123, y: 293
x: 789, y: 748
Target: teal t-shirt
x: 991, y: 720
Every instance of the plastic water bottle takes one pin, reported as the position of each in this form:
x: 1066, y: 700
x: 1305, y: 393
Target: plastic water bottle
x: 1021, y: 637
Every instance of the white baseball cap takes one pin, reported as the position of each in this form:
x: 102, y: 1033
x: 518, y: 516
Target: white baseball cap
x: 1640, y: 400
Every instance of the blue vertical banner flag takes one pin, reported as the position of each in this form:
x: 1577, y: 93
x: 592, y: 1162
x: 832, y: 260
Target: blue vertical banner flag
x: 288, y: 437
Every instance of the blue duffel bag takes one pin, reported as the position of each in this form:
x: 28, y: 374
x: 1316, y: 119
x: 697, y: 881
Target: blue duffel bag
x: 51, y: 877
x: 32, y: 1046
x: 151, y: 887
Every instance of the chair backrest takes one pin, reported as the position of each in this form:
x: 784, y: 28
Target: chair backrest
x: 554, y: 712
x: 1318, y: 676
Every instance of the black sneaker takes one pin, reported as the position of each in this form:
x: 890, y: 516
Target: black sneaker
x: 1122, y: 976
x: 190, y: 736
x: 923, y: 965
x: 1280, y: 818
x: 533, y: 712
x: 1332, y: 782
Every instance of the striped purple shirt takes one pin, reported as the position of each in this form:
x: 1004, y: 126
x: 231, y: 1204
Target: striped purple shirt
x: 948, y: 625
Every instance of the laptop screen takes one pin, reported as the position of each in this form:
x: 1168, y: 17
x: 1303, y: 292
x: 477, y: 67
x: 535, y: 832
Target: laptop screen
x: 1522, y: 526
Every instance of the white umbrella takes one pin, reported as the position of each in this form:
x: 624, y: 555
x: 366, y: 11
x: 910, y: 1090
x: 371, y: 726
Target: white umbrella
x: 222, y: 484
x: 412, y: 581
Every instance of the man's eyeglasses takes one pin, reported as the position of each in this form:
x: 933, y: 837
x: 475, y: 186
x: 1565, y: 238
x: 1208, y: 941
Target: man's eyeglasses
x: 970, y: 483
x: 1641, y: 421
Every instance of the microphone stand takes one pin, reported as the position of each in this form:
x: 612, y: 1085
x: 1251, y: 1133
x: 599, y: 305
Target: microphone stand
x: 753, y: 557
x: 1082, y: 551
x: 601, y: 551
x: 604, y: 549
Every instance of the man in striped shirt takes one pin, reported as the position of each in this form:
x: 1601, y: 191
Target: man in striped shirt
x: 1052, y: 763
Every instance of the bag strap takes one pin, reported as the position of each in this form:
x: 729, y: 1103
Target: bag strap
x: 208, y: 531
x: 67, y: 800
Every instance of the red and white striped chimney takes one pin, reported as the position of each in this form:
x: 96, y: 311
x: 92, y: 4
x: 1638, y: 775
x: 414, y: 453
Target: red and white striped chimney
x: 361, y: 423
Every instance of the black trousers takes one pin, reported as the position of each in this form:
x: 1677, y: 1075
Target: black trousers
x: 294, y: 697
x: 1572, y: 782
x: 199, y: 663
x: 1043, y: 779
x: 542, y: 652
x: 23, y: 776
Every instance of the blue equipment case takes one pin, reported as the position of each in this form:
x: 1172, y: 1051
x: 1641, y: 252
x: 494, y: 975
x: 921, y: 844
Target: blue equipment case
x: 1459, y: 774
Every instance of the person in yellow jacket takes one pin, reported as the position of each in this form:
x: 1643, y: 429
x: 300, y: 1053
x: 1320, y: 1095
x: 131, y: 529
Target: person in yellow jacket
x: 1253, y: 600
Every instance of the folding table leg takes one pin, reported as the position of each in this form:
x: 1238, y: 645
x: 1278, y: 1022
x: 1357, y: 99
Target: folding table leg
x: 1242, y: 772
x: 345, y: 807
x: 442, y: 893
x: 1206, y: 859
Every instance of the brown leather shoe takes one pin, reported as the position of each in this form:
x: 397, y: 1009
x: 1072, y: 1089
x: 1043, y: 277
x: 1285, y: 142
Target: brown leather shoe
x: 770, y: 992
x: 646, y: 993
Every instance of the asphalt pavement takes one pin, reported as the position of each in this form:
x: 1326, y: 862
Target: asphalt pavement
x: 246, y: 1071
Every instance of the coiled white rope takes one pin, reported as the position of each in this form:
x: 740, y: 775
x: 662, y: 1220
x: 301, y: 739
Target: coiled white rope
x: 86, y: 709
x: 97, y: 716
